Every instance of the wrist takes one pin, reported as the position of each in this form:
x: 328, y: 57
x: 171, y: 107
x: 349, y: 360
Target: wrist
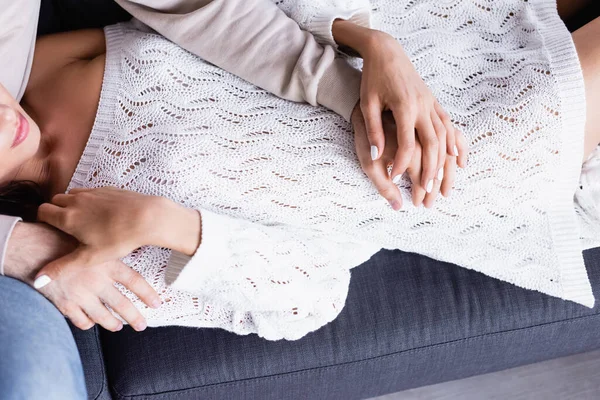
x: 33, y: 245
x: 349, y: 34
x: 175, y: 227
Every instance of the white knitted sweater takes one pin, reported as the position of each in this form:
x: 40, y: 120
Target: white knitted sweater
x: 286, y: 208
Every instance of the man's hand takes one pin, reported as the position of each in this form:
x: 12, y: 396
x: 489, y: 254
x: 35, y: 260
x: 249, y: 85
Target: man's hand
x: 81, y: 290
x: 80, y: 287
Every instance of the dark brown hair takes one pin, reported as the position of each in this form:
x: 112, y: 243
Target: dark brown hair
x: 21, y: 199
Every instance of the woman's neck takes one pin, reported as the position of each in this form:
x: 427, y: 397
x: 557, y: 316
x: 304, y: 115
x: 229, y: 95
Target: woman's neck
x: 64, y: 108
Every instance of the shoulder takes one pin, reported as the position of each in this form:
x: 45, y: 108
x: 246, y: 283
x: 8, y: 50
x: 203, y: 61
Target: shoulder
x: 18, y: 26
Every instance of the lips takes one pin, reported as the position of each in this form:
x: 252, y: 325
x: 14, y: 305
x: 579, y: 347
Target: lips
x: 22, y: 130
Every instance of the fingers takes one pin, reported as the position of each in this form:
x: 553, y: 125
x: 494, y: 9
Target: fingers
x: 406, y: 142
x: 98, y: 313
x: 414, y: 173
x: 62, y: 200
x: 450, y: 135
x: 430, y: 197
x: 136, y: 283
x: 52, y: 215
x: 79, y: 318
x: 372, y: 114
x: 449, y: 176
x: 429, y: 144
x: 80, y: 190
x: 124, y: 307
x: 463, y: 148
x: 440, y: 131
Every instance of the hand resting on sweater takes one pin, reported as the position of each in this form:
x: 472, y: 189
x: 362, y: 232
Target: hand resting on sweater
x: 84, y: 287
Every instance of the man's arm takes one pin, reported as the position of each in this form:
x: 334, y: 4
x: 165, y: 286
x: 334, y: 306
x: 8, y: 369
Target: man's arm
x: 256, y: 41
x: 31, y: 246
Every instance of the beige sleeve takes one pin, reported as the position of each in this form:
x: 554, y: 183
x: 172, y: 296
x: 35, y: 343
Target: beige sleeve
x: 18, y: 28
x: 256, y: 41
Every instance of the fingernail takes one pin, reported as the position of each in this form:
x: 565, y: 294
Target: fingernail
x: 41, y: 281
x: 119, y: 327
x: 429, y: 186
x: 374, y: 153
x: 397, y: 179
x: 156, y: 303
x: 395, y: 205
x: 440, y: 174
x: 141, y: 326
x: 455, y: 151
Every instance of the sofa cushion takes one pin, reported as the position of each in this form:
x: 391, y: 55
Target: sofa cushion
x: 90, y: 351
x: 409, y: 321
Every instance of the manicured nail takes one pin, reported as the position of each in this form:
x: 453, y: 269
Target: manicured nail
x: 156, y: 303
x: 374, y: 153
x: 455, y: 151
x: 429, y: 186
x: 395, y: 205
x: 41, y: 281
x: 397, y: 179
x: 440, y: 174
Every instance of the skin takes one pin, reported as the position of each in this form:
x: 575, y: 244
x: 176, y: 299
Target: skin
x: 390, y: 82
x: 62, y: 97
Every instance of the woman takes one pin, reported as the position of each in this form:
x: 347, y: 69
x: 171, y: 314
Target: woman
x: 287, y: 216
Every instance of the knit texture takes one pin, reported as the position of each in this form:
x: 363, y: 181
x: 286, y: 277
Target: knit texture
x: 288, y: 209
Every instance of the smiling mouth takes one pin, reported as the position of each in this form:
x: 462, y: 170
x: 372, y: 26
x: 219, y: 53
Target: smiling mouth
x: 22, y: 130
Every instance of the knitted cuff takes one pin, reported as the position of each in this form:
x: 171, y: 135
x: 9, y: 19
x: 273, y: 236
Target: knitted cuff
x: 321, y: 24
x: 7, y: 224
x: 187, y: 273
x: 339, y: 88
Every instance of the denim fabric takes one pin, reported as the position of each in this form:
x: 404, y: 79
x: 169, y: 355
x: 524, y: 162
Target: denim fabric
x: 38, y: 356
x: 409, y: 321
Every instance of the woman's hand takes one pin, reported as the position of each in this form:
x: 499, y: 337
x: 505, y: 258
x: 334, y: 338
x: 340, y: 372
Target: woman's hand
x: 112, y: 222
x: 377, y: 170
x: 390, y: 82
x: 81, y: 290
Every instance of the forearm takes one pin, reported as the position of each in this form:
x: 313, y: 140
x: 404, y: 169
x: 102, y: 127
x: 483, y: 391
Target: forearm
x: 256, y: 41
x: 33, y: 245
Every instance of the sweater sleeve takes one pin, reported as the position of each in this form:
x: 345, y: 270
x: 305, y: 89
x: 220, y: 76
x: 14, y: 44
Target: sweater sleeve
x: 256, y: 41
x: 18, y: 26
x: 317, y: 16
x: 287, y: 281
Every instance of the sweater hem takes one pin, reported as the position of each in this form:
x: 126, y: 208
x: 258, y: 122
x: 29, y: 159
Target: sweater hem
x: 564, y: 228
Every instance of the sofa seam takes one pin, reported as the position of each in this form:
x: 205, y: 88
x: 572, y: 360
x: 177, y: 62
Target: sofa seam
x: 102, y: 363
x: 180, y: 392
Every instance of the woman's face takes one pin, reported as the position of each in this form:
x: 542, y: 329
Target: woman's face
x: 19, y: 136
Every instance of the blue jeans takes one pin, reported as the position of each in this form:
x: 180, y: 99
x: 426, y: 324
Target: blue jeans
x: 38, y: 356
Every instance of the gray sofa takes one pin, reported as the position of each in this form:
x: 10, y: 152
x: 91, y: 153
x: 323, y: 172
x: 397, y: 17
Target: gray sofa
x: 409, y: 321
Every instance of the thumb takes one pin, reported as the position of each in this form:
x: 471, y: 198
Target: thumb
x: 54, y: 270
